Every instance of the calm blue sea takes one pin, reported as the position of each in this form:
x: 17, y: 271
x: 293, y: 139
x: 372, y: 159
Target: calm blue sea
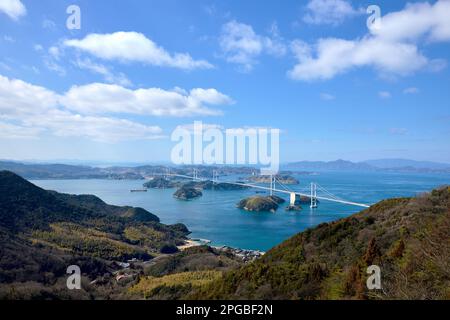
x: 215, y: 216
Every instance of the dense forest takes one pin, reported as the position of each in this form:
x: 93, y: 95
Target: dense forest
x: 408, y: 238
x: 43, y: 232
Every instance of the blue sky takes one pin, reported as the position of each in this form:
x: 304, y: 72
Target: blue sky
x: 116, y: 89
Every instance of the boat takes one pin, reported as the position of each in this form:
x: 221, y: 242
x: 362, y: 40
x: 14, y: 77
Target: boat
x: 138, y: 190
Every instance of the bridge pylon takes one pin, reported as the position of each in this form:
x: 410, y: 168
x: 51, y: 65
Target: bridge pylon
x: 166, y: 173
x: 215, y: 177
x: 272, y: 184
x: 313, y: 196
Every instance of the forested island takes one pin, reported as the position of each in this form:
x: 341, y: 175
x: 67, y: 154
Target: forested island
x: 260, y: 203
x: 284, y: 179
x: 187, y: 193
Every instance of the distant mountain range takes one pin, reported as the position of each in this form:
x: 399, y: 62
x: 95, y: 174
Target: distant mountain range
x: 66, y: 171
x: 404, y: 163
x: 338, y: 165
x: 397, y: 165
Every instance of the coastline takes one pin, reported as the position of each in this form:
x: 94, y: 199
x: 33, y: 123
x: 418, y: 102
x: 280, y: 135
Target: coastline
x: 246, y: 255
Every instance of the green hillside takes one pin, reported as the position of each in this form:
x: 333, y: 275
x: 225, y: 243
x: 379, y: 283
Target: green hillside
x: 408, y: 238
x: 42, y: 232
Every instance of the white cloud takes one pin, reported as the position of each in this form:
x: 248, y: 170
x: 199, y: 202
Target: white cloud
x: 102, y: 129
x: 19, y: 98
x: 107, y: 74
x: 241, y: 45
x: 134, y: 47
x: 12, y: 131
x: 336, y: 56
x: 411, y: 90
x: 384, y: 94
x: 98, y: 98
x: 332, y: 12
x: 430, y: 22
x: 83, y: 110
x: 27, y: 110
x: 13, y: 8
x: 391, y: 50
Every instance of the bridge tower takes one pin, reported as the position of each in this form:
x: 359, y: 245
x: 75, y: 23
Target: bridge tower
x: 313, y: 196
x: 272, y: 184
x: 166, y: 173
x: 215, y: 178
x: 195, y: 174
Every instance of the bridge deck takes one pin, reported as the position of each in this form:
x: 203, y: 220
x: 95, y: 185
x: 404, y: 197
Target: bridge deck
x: 275, y: 190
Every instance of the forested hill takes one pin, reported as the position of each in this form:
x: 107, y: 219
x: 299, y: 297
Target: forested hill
x: 42, y: 232
x: 408, y: 238
x: 26, y: 206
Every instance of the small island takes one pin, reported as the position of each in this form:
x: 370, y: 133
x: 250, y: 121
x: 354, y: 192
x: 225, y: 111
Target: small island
x: 260, y: 203
x: 159, y: 183
x: 187, y: 193
x: 284, y: 179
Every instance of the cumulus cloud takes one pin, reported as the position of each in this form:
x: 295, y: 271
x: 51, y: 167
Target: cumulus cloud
x: 84, y: 111
x: 332, y: 12
x: 419, y: 21
x: 19, y: 98
x: 102, y: 129
x: 109, y: 98
x: 241, y: 45
x: 134, y: 47
x: 13, y: 8
x: 391, y: 49
x: 30, y: 110
x: 336, y: 56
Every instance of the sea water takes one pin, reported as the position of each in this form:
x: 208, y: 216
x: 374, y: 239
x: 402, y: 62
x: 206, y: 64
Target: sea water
x: 214, y: 216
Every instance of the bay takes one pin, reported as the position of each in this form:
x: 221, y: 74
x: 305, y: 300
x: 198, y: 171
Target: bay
x: 215, y: 217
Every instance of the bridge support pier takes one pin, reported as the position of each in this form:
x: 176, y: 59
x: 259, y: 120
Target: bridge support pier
x: 292, y: 199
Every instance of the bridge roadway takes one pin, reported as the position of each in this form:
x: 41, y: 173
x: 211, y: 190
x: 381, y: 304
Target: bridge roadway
x: 274, y: 190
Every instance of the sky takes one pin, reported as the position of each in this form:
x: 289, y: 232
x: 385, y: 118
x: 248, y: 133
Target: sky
x: 117, y: 87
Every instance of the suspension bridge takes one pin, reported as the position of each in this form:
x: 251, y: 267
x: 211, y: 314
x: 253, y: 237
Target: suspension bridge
x: 312, y: 194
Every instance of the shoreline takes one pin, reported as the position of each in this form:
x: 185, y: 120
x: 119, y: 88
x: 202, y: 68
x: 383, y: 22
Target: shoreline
x: 247, y: 255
